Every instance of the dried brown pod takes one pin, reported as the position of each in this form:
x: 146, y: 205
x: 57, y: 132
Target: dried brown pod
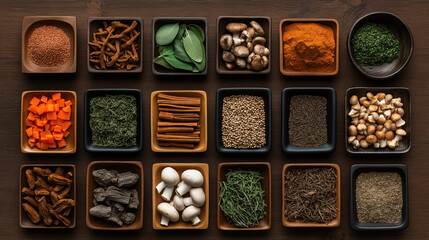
x: 27, y: 192
x: 60, y: 217
x: 63, y: 204
x: 44, y: 212
x: 57, y: 179
x: 42, y: 172
x: 30, y: 178
x: 31, y: 212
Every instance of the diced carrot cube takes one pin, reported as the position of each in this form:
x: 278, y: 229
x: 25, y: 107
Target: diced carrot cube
x: 32, y: 139
x: 31, y: 116
x: 39, y: 145
x: 50, y: 101
x: 50, y: 107
x: 40, y: 129
x: 56, y: 107
x: 39, y: 122
x: 47, y: 126
x: 60, y: 121
x: 44, y: 145
x: 32, y: 144
x: 41, y: 109
x: 35, y: 101
x: 67, y: 109
x: 62, y: 143
x: 51, y: 116
x: 28, y: 123
x: 58, y: 136
x: 52, y: 145
x: 52, y: 128
x: 61, y: 102
x: 57, y: 128
x: 36, y: 134
x: 66, y: 133
x: 29, y: 131
x: 56, y: 96
x: 66, y: 125
x: 68, y: 103
x: 64, y: 115
x: 44, y: 99
x: 33, y: 109
x: 53, y: 122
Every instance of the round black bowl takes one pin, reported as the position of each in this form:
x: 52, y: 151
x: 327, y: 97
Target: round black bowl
x: 402, y: 32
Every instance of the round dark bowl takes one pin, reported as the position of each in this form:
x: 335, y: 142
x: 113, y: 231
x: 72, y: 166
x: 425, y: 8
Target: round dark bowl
x: 402, y: 32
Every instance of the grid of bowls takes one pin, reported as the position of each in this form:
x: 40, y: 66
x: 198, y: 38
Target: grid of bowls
x: 68, y: 25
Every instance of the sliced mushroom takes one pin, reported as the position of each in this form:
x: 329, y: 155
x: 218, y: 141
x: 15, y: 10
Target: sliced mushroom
x: 259, y: 40
x: 259, y: 30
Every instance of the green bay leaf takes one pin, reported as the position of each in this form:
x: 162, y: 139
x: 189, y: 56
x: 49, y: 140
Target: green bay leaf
x: 202, y: 65
x: 180, y: 52
x: 166, y: 34
x: 166, y: 50
x: 160, y: 60
x: 192, y: 46
x: 198, y: 31
x: 181, y: 31
x: 176, y: 63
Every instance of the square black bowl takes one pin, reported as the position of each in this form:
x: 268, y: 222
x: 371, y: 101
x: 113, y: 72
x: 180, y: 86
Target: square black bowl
x: 160, y: 21
x: 402, y: 170
x: 265, y: 93
x: 330, y: 95
x: 89, y: 94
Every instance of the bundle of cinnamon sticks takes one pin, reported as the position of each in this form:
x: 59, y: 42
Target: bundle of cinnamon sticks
x: 179, y: 121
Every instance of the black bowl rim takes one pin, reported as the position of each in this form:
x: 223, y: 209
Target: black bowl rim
x: 88, y: 146
x: 386, y: 226
x: 139, y: 68
x: 265, y: 149
x: 346, y: 120
x: 206, y: 43
x: 328, y: 149
x: 356, y: 64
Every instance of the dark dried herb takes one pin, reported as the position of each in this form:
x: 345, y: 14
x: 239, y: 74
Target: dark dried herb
x: 379, y: 197
x: 113, y: 121
x: 310, y: 195
x: 373, y: 44
x: 241, y: 197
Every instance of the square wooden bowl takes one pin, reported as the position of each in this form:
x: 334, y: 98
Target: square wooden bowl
x: 221, y: 93
x: 71, y: 138
x: 24, y: 221
x: 331, y: 113
x: 333, y: 223
x: 156, y: 197
x: 405, y: 95
x: 402, y: 170
x: 158, y: 22
x: 65, y: 23
x: 94, y: 23
x: 265, y: 170
x: 154, y: 116
x: 120, y: 166
x: 222, y: 21
x: 91, y: 93
x: 328, y: 22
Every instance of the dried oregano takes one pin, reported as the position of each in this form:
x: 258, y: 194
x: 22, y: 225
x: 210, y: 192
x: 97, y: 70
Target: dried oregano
x: 113, y: 121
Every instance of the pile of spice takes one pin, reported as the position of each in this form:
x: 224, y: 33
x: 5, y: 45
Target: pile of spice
x: 373, y: 45
x: 115, y: 46
x: 117, y: 199
x: 241, y: 197
x: 310, y: 195
x: 48, y: 46
x: 243, y: 122
x: 309, y: 47
x: 47, y: 196
x: 307, y: 121
x: 179, y: 121
x: 113, y: 121
x: 379, y: 197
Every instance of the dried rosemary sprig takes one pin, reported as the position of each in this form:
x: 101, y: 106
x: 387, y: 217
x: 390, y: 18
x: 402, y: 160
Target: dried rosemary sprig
x: 113, y: 121
x: 241, y: 197
x: 310, y: 195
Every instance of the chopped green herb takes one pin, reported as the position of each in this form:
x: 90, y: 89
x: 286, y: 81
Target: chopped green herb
x: 373, y: 45
x: 113, y: 121
x: 241, y: 197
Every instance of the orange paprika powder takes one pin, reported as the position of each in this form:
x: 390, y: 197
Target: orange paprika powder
x: 309, y: 47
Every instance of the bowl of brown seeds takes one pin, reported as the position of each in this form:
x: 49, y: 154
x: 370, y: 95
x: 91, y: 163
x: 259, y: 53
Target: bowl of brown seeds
x: 243, y: 120
x: 379, y: 197
x: 308, y: 120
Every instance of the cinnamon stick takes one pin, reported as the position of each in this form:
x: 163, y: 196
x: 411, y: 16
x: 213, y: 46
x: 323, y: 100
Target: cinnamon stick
x: 178, y: 106
x: 179, y: 140
x: 177, y: 117
x: 176, y: 136
x: 170, y: 144
x: 173, y: 109
x: 172, y: 97
x: 194, y: 134
x: 177, y: 124
x: 196, y: 103
x: 175, y: 129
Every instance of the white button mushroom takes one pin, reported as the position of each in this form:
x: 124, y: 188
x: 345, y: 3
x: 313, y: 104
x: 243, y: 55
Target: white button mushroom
x: 169, y: 178
x: 168, y: 212
x: 178, y: 203
x: 191, y: 214
x: 197, y: 197
x: 190, y: 178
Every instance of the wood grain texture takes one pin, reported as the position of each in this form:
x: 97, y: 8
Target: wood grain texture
x: 13, y: 82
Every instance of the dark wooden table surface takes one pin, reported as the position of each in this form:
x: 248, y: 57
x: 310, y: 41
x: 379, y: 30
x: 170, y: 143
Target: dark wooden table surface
x: 13, y: 82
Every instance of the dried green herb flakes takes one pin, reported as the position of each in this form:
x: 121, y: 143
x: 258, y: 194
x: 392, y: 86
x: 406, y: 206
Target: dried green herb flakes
x: 113, y: 121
